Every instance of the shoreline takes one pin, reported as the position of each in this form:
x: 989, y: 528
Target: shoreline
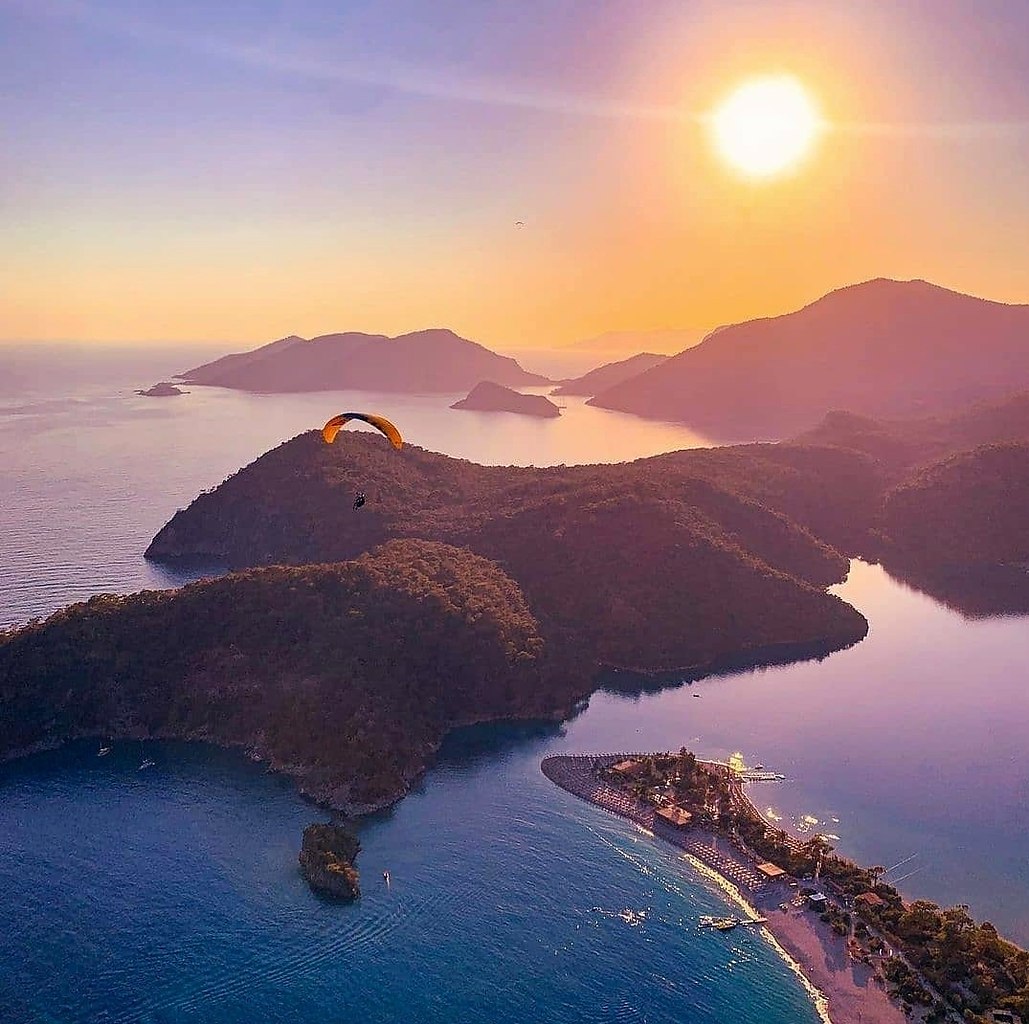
x: 842, y: 990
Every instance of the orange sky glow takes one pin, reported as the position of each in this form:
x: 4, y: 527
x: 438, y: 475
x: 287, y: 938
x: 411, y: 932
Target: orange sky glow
x: 404, y: 217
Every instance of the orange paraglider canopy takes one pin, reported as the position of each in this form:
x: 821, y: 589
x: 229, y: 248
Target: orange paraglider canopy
x: 333, y: 427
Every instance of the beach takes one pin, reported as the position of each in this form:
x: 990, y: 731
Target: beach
x: 844, y: 990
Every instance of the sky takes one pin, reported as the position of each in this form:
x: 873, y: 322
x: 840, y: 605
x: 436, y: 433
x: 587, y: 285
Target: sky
x: 248, y: 169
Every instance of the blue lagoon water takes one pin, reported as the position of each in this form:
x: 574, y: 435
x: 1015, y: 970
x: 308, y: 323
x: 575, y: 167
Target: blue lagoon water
x: 172, y: 894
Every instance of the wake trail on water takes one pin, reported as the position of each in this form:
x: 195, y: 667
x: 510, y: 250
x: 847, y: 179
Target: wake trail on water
x: 279, y: 967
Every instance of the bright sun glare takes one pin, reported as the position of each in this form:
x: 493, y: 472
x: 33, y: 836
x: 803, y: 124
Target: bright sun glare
x: 766, y: 126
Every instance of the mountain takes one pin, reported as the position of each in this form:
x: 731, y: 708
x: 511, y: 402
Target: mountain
x: 883, y: 349
x: 608, y: 375
x: 425, y: 361
x: 664, y: 564
x: 623, y: 342
x: 489, y: 397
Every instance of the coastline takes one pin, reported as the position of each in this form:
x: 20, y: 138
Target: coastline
x: 843, y: 991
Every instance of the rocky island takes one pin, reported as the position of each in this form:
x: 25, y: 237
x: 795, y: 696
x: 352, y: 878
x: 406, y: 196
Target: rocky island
x: 162, y: 390
x: 435, y: 360
x: 489, y: 397
x: 327, y: 861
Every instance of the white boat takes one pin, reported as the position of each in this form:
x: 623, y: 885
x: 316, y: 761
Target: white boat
x: 721, y: 924
x: 104, y: 751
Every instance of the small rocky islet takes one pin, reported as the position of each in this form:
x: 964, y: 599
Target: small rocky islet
x: 327, y: 861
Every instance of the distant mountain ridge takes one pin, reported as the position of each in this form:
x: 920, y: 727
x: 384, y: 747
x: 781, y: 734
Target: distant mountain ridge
x: 436, y: 360
x: 607, y: 376
x: 666, y: 341
x: 883, y: 348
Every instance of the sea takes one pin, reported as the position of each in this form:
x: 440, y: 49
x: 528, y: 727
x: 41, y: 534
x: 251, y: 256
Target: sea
x: 171, y: 893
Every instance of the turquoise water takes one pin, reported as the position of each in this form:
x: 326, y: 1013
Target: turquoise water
x: 172, y: 894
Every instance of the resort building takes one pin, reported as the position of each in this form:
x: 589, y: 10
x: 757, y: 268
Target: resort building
x: 818, y: 901
x: 736, y: 762
x: 1003, y: 1017
x: 674, y: 816
x: 771, y: 871
x: 869, y: 900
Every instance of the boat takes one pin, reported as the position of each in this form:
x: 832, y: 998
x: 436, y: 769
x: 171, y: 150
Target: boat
x: 385, y: 877
x: 721, y: 924
x: 104, y: 751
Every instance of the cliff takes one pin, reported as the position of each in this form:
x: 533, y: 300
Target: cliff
x: 489, y: 397
x: 881, y: 349
x: 610, y: 374
x: 327, y: 861
x: 434, y: 360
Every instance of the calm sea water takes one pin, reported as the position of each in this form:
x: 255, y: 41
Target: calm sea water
x: 171, y: 894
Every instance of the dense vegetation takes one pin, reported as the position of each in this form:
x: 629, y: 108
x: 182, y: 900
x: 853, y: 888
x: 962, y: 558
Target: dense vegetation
x: 347, y: 676
x: 968, y: 963
x: 970, y: 508
x: 327, y: 861
x: 953, y: 499
x: 661, y: 564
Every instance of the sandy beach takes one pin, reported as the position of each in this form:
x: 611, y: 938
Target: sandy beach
x: 850, y: 989
x: 844, y: 990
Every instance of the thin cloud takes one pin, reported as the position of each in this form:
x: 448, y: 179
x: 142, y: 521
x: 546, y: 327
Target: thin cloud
x: 436, y: 84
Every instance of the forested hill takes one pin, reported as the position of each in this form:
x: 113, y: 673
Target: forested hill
x: 345, y: 676
x: 662, y: 564
x: 956, y: 493
x: 881, y: 348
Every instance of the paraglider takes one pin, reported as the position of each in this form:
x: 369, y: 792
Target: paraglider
x: 333, y: 427
x: 359, y: 500
x: 519, y: 223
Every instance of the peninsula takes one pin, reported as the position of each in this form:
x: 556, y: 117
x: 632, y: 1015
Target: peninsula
x: 489, y: 397
x: 162, y: 390
x: 608, y: 375
x: 850, y: 931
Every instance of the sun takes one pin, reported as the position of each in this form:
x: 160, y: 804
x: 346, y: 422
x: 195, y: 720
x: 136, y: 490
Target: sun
x: 766, y: 126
